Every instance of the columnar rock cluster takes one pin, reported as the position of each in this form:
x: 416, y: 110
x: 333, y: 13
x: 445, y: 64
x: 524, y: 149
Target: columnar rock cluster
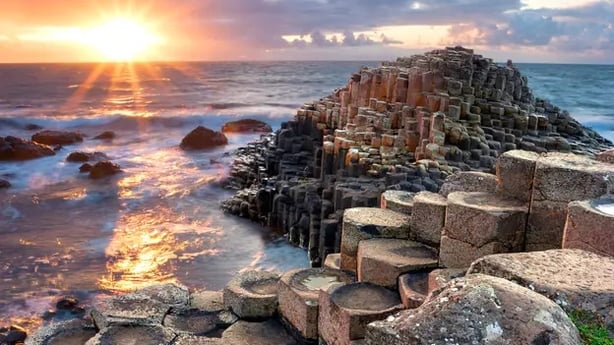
x: 407, y: 126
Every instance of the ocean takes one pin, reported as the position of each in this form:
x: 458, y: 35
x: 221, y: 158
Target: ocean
x: 159, y: 221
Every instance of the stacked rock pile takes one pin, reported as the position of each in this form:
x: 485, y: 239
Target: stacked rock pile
x: 406, y: 126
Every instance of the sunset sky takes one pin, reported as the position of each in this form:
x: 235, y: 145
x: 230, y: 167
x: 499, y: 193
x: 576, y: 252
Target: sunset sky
x: 92, y: 30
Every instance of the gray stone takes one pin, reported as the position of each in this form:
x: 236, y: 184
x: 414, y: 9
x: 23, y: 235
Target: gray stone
x: 478, y: 309
x: 440, y: 277
x: 590, y: 226
x: 73, y: 332
x: 206, y: 300
x: 469, y: 181
x: 175, y: 295
x: 427, y: 221
x: 191, y: 321
x: 131, y: 309
x: 133, y: 335
x: 413, y: 289
x: 515, y: 170
x: 252, y: 294
x: 185, y: 339
x: 398, y: 200
x: 270, y: 332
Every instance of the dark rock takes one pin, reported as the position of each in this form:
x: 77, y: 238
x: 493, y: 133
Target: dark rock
x: 16, y: 149
x: 4, y: 183
x: 85, y: 167
x: 203, y: 138
x: 32, y: 127
x: 246, y: 126
x: 107, y: 135
x: 57, y: 137
x: 104, y: 169
x: 80, y: 156
x: 67, y: 303
x: 15, y: 335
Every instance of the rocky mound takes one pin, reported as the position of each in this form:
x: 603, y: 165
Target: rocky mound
x: 203, y: 138
x: 103, y: 169
x: 16, y: 149
x: 246, y: 126
x: 57, y: 137
x: 80, y: 156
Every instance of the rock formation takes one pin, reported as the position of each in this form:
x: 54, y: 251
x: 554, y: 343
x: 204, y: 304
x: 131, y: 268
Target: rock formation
x: 16, y: 149
x: 246, y: 126
x: 203, y: 138
x: 57, y: 137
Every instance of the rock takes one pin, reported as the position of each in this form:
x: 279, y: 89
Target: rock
x: 15, y: 335
x: 174, y: 295
x: 298, y: 296
x: 573, y: 278
x: 427, y: 221
x: 103, y: 169
x: 80, y: 156
x: 478, y: 309
x: 246, y: 126
x: 106, y: 135
x: 590, y: 225
x: 67, y: 303
x: 191, y: 321
x: 361, y: 223
x: 479, y: 224
x: 332, y: 261
x: 606, y: 156
x: 440, y: 277
x: 397, y: 200
x: 252, y: 294
x: 4, y: 183
x: 345, y: 310
x: 133, y: 335
x: 85, y: 167
x: 57, y: 137
x: 203, y: 138
x: 184, y: 339
x: 382, y: 260
x: 206, y: 300
x: 16, y: 149
x: 32, y: 127
x: 413, y: 289
x: 515, y: 170
x: 72, y: 332
x: 131, y: 309
x: 257, y: 333
x: 469, y: 181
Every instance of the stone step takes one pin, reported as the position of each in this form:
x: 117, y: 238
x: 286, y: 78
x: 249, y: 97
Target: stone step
x: 590, y: 225
x: 479, y: 224
x: 428, y: 218
x: 413, y: 289
x: 362, y: 223
x: 382, y: 260
x: 298, y: 297
x: 332, y: 261
x: 252, y: 295
x: 345, y: 310
x: 398, y: 200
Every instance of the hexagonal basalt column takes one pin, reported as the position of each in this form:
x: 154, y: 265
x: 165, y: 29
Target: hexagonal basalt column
x: 398, y: 200
x: 413, y: 289
x: 362, y: 223
x: 515, y: 170
x: 590, y: 226
x: 252, y: 294
x: 478, y: 224
x: 428, y: 218
x: 332, y: 261
x: 559, y: 179
x: 298, y: 296
x: 346, y: 310
x: 382, y: 260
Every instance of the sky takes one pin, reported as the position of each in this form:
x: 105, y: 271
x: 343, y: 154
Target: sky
x: 574, y: 31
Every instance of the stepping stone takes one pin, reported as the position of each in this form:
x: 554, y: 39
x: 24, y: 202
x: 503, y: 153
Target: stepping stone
x: 191, y: 321
x: 479, y: 224
x: 428, y: 218
x: 573, y: 278
x: 172, y: 294
x: 132, y: 309
x: 252, y: 294
x: 363, y: 223
x: 469, y: 181
x: 298, y: 296
x: 413, y: 289
x: 440, y: 277
x: 257, y: 333
x: 73, y: 332
x: 515, y: 170
x: 206, y: 300
x: 133, y: 335
x: 333, y: 261
x: 382, y: 260
x: 398, y: 200
x: 345, y: 310
x: 590, y: 226
x: 582, y: 177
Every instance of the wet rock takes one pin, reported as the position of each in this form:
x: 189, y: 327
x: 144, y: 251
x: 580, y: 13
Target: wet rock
x: 16, y: 149
x: 133, y: 335
x: 13, y: 335
x: 573, y: 278
x: 132, y: 309
x: 246, y: 126
x: 478, y: 309
x: 107, y: 135
x: 103, y: 169
x: 80, y: 156
x: 32, y: 127
x: 72, y: 332
x: 203, y: 138
x: 57, y: 137
x: 4, y: 183
x: 252, y: 294
x: 257, y: 333
x: 86, y: 167
x: 67, y: 303
x: 175, y: 295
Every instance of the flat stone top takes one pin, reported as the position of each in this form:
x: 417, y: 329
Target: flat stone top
x: 486, y: 202
x: 311, y: 280
x: 399, y: 197
x: 570, y: 161
x: 521, y: 155
x: 430, y: 198
x: 255, y: 283
x: 365, y: 296
x: 575, y: 275
x: 402, y: 251
x: 375, y: 216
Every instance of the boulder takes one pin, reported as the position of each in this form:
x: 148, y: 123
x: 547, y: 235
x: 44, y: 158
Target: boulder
x: 103, y: 169
x: 252, y: 294
x: 16, y: 149
x: 574, y: 278
x: 203, y: 138
x: 478, y: 309
x: 57, y: 137
x: 107, y: 135
x: 4, y: 183
x: 246, y: 126
x: 80, y: 156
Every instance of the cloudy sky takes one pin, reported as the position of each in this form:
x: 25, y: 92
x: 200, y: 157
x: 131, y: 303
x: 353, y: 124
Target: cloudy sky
x: 524, y: 30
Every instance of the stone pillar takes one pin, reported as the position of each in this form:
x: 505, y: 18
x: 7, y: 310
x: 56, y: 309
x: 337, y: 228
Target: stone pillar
x: 590, y: 226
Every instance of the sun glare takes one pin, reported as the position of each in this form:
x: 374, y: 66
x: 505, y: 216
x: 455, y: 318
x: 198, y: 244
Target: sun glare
x: 123, y: 40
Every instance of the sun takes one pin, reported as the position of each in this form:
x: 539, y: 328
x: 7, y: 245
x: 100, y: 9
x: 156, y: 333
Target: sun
x: 123, y: 39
